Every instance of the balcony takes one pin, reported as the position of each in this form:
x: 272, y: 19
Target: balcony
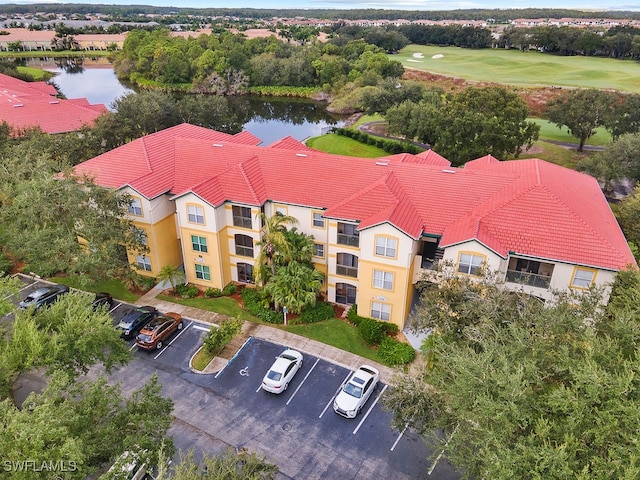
x: 350, y: 240
x: 528, y: 278
x: 347, y: 271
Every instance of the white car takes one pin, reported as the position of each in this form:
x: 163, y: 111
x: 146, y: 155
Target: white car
x: 356, y: 391
x: 282, y: 371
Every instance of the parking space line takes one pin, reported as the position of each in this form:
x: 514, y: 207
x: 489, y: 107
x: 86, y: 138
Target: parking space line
x: 399, y: 437
x: 135, y: 345
x: 111, y: 311
x: 335, y: 395
x: 174, y: 339
x: 234, y: 357
x: 305, y: 377
x: 204, y: 329
x: 364, y: 417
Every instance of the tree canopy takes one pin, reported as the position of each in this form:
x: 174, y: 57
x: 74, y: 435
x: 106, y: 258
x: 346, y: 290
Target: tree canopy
x: 524, y: 390
x: 468, y: 125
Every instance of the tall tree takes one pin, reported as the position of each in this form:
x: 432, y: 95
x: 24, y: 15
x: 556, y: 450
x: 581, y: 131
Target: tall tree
x: 581, y: 111
x: 273, y: 243
x: 295, y: 286
x: 620, y: 161
x: 471, y: 124
x: 520, y: 390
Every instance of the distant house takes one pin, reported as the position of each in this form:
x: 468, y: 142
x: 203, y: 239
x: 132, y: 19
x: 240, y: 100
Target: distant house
x: 34, y: 104
x: 380, y: 225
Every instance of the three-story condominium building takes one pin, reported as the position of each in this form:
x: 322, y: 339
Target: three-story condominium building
x: 378, y: 224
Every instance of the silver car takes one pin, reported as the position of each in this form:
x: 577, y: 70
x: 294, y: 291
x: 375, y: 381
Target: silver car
x: 356, y: 391
x: 277, y: 378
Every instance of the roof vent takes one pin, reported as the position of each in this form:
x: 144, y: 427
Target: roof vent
x: 217, y: 145
x: 448, y: 171
x: 301, y: 154
x: 18, y: 105
x: 384, y: 164
x: 53, y: 102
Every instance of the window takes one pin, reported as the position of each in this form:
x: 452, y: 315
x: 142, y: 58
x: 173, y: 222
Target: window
x: 281, y: 210
x: 245, y: 273
x: 244, y: 245
x: 582, y: 278
x: 347, y: 265
x: 195, y: 214
x: 135, y: 207
x: 470, y: 264
x: 383, y: 280
x: 348, y: 234
x: 386, y: 246
x: 241, y: 216
x: 139, y: 235
x: 199, y: 244
x: 144, y: 263
x: 318, y: 221
x: 380, y: 311
x: 318, y: 250
x: 345, y: 294
x: 203, y: 272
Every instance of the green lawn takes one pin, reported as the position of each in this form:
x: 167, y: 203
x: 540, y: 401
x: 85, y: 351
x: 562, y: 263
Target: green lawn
x: 531, y: 68
x: 337, y: 333
x: 339, y: 145
x: 222, y: 305
x: 37, y: 73
x: 550, y: 131
x: 114, y: 287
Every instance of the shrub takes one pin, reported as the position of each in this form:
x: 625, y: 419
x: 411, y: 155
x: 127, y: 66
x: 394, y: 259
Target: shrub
x: 192, y: 291
x: 394, y: 352
x: 213, y: 293
x: 389, y: 328
x: 229, y: 289
x: 181, y: 290
x: 146, y: 283
x: 353, y: 316
x: 372, y: 331
x: 316, y: 313
x: 5, y: 264
x: 255, y: 304
x: 217, y: 338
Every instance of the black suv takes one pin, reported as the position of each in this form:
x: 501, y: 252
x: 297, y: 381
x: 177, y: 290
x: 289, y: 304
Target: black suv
x: 133, y: 321
x: 43, y: 297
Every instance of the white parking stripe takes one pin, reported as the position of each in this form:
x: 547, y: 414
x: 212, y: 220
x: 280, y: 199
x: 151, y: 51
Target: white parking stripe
x: 399, y: 437
x: 335, y: 395
x: 305, y: 377
x: 111, y: 311
x: 204, y: 329
x: 174, y: 339
x: 364, y: 417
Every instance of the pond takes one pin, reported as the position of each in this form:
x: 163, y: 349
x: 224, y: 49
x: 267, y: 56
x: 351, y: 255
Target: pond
x: 269, y: 119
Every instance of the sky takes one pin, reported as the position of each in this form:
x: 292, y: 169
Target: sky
x: 360, y: 4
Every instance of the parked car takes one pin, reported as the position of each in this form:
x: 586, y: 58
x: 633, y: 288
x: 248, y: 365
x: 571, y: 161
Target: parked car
x: 133, y: 321
x: 102, y: 298
x: 43, y: 297
x: 277, y: 378
x: 158, y: 330
x: 356, y: 391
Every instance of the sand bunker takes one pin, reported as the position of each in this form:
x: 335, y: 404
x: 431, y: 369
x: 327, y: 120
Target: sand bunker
x: 418, y: 55
x: 437, y: 55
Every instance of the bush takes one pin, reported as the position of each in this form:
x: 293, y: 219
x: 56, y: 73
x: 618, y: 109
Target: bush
x: 6, y: 264
x: 213, y: 293
x: 217, y: 338
x: 229, y: 289
x: 372, y: 331
x: 187, y: 291
x: 146, y: 283
x: 256, y: 305
x: 390, y: 329
x: 390, y: 146
x: 352, y: 315
x: 394, y: 352
x: 316, y: 313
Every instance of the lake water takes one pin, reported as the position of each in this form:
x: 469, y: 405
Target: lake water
x: 269, y: 119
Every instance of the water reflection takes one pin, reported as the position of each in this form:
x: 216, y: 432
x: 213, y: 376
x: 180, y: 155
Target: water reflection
x: 268, y: 118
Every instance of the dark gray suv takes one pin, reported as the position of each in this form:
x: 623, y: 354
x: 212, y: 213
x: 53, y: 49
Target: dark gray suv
x: 43, y: 297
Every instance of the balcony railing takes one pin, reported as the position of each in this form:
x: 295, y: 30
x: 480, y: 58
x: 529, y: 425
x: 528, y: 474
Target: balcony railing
x: 526, y: 278
x: 347, y: 271
x: 351, y: 240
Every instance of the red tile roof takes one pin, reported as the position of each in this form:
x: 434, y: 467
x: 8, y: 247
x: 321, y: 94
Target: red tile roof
x: 529, y: 207
x: 34, y: 104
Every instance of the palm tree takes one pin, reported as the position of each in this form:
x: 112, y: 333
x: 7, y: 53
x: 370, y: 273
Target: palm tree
x: 301, y: 246
x: 171, y: 274
x: 272, y: 244
x: 295, y: 285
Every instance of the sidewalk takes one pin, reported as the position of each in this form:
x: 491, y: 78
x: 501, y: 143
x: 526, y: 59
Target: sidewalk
x: 271, y: 334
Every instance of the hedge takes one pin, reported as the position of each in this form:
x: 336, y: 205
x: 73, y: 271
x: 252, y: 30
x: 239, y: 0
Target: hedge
x: 316, y: 313
x: 395, y: 352
x: 254, y: 304
x: 389, y: 146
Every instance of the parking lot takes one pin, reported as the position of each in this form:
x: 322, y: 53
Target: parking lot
x: 298, y: 429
